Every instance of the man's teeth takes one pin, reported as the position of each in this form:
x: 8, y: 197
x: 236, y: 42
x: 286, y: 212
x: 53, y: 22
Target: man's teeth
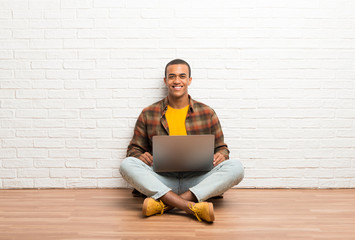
x: 177, y: 87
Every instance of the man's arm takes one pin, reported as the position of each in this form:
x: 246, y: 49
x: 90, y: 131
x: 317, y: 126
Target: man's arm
x: 139, y: 145
x: 221, y: 149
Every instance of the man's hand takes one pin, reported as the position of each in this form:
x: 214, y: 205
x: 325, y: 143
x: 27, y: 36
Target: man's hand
x: 147, y: 158
x: 218, y: 158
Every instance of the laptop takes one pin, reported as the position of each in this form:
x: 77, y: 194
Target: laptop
x: 183, y: 153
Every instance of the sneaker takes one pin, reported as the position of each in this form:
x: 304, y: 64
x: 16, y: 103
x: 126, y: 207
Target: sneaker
x: 152, y: 207
x: 203, y: 210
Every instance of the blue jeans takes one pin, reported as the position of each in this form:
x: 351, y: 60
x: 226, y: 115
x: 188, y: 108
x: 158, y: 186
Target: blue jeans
x: 203, y: 185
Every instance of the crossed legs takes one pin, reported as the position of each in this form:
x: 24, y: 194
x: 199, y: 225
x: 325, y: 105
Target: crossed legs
x: 195, y: 187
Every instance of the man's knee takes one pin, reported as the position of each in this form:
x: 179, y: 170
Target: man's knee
x: 236, y: 169
x: 127, y: 164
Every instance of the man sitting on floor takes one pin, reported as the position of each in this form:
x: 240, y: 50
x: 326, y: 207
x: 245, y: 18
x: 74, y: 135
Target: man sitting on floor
x: 178, y: 114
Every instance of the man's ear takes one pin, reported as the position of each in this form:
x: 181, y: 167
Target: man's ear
x: 165, y: 81
x: 190, y: 80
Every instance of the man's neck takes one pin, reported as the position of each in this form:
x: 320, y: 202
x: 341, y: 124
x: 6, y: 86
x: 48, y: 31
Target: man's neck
x: 178, y: 103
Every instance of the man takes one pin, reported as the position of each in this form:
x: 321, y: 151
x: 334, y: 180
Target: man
x: 178, y: 114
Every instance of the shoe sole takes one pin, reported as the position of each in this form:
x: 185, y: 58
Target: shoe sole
x: 211, y: 212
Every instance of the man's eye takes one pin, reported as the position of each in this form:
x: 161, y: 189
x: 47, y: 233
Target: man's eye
x: 183, y: 77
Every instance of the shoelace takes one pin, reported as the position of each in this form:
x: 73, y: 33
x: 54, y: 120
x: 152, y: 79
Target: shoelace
x: 163, y: 207
x: 196, y: 211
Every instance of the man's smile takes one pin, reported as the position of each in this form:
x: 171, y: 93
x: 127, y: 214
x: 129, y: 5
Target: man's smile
x: 177, y: 87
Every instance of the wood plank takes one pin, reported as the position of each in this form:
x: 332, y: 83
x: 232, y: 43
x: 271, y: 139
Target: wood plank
x: 114, y: 214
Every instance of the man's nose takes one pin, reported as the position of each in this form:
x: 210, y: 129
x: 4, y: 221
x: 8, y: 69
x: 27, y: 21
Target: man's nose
x: 177, y: 79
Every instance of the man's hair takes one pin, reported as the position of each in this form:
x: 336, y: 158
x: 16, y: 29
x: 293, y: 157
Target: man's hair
x: 178, y: 61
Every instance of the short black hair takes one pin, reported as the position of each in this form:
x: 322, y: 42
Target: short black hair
x: 178, y: 61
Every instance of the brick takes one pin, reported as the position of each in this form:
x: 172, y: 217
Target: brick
x: 96, y: 94
x: 29, y: 74
x: 81, y: 144
x: 63, y: 133
x: 82, y: 163
x: 7, y: 93
x: 7, y: 153
x: 6, y: 54
x: 6, y: 113
x: 28, y: 54
x: 48, y: 143
x: 95, y: 113
x: 334, y: 183
x: 31, y: 113
x: 79, y: 104
x: 60, y: 33
x: 61, y: 54
x: 94, y: 74
x: 93, y: 13
x: 64, y: 153
x: 48, y: 84
x: 81, y: 183
x: 77, y: 23
x: 80, y: 123
x: 5, y: 14
x: 48, y: 64
x: 93, y: 54
x: 15, y: 84
x: 78, y: 64
x: 112, y: 103
x: 109, y: 3
x: 49, y: 163
x: 59, y: 13
x: 30, y: 93
x: 33, y: 172
x: 95, y: 154
x: 17, y: 163
x: 7, y: 173
x: 76, y: 4
x: 96, y: 133
x: 15, y: 124
x: 29, y: 152
x: 46, y: 43
x: 92, y: 34
x: 65, y: 173
x: 18, y: 183
x: 5, y: 34
x: 80, y: 84
x: 43, y: 4
x: 111, y: 64
x: 27, y: 13
x: 63, y: 114
x: 112, y: 183
x: 116, y: 123
x: 96, y: 173
x: 63, y: 94
x: 48, y: 123
x: 108, y: 164
x: 32, y: 133
x: 17, y: 143
x: 115, y: 83
x: 49, y: 183
x: 14, y: 24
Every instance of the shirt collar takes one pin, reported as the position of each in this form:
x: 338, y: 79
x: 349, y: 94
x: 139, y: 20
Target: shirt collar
x: 165, y: 104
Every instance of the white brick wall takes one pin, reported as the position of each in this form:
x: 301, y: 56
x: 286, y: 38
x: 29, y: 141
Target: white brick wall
x: 74, y: 75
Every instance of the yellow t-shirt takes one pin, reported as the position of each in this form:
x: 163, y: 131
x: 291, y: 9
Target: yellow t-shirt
x: 176, y: 120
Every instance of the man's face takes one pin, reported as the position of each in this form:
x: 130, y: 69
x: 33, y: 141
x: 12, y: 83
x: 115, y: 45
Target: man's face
x: 177, y: 80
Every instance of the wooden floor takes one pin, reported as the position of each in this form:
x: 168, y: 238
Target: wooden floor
x: 115, y: 214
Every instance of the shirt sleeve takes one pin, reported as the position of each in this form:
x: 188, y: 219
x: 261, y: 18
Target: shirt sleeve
x: 220, y: 146
x: 139, y: 143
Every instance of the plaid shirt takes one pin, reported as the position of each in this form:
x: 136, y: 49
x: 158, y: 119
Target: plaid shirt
x: 200, y: 119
